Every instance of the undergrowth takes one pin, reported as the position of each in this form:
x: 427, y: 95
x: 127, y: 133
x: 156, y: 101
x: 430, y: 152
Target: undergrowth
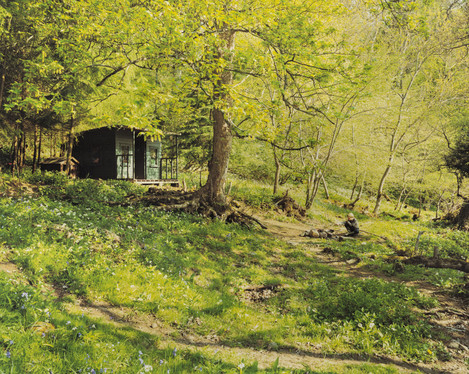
x: 189, y: 273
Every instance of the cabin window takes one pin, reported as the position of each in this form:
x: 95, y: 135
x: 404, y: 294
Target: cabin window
x: 125, y: 149
x: 154, y: 156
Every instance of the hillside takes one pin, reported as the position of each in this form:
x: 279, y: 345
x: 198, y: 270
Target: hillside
x: 92, y: 283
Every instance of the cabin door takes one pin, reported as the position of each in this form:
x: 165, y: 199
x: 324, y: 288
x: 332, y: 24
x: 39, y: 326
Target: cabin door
x: 125, y: 161
x: 153, y: 156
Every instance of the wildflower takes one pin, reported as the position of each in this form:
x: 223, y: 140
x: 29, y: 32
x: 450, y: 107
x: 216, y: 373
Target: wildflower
x: 161, y: 362
x: 68, y: 323
x: 147, y: 368
x: 141, y: 360
x: 241, y: 366
x: 174, y: 352
x: 8, y: 354
x: 11, y: 342
x: 25, y: 295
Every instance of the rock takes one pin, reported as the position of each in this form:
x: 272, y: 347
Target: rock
x: 272, y: 346
x: 454, y: 344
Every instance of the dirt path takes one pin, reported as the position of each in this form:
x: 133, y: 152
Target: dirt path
x: 451, y: 317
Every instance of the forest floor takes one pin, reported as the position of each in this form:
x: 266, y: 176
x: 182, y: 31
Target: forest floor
x: 451, y: 317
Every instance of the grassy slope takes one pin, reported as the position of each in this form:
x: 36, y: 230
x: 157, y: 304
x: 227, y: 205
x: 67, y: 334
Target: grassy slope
x: 190, y: 275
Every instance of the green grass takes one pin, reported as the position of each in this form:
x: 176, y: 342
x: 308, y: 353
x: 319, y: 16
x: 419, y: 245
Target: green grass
x: 190, y: 274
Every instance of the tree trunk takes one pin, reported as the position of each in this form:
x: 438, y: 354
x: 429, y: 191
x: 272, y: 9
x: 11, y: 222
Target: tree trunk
x: 355, y: 184
x: 39, y: 148
x: 277, y: 172
x: 23, y: 151
x: 222, y: 136
x: 324, y: 184
x: 35, y: 149
x: 68, y: 165
x: 463, y: 216
x: 14, y: 151
x: 399, y: 200
x: 438, y: 263
x: 438, y: 204
x: 2, y: 88
x: 309, y: 190
x: 379, y: 196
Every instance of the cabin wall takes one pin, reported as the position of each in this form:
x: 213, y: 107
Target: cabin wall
x: 119, y: 153
x: 95, y: 151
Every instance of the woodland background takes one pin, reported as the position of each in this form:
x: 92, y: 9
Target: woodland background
x: 371, y: 94
x: 347, y: 105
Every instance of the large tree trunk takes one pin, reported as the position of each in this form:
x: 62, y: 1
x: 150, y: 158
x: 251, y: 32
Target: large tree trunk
x: 214, y: 189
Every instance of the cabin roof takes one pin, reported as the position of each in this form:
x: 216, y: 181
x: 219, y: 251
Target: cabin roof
x: 142, y: 131
x: 58, y: 161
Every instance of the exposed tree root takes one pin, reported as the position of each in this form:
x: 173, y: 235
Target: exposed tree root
x: 290, y: 206
x: 196, y: 203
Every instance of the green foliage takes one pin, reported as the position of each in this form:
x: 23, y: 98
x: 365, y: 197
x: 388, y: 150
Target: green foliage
x: 375, y: 313
x: 83, y: 191
x: 452, y: 244
x: 249, y: 160
x: 189, y: 273
x: 252, y: 193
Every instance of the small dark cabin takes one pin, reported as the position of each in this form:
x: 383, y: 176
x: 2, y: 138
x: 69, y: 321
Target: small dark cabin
x: 123, y: 153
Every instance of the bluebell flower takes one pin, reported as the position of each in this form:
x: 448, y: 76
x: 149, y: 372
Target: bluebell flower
x: 174, y: 352
x: 11, y: 342
x: 141, y: 360
x: 8, y: 354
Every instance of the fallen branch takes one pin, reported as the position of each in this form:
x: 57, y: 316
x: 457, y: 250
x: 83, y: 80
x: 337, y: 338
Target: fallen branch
x: 438, y: 263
